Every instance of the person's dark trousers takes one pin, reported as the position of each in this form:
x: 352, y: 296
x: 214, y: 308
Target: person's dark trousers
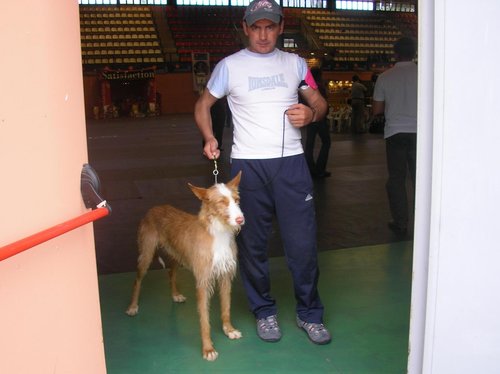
x: 281, y: 186
x: 357, y: 115
x: 321, y: 129
x: 401, y: 153
x: 218, y: 114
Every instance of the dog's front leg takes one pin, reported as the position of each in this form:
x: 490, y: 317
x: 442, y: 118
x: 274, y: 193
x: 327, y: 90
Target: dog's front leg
x: 225, y: 307
x: 208, y: 350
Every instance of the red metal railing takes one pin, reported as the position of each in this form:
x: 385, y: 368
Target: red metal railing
x: 45, y: 235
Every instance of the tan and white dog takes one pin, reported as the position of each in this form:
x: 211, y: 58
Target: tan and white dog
x: 204, y: 244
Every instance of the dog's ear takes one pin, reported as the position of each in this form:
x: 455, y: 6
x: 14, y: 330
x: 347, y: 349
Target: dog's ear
x: 235, y: 182
x: 199, y: 192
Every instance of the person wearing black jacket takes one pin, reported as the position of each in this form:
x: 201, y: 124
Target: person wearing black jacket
x: 318, y: 167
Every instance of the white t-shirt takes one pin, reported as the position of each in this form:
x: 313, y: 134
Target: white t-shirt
x: 259, y: 89
x: 397, y: 87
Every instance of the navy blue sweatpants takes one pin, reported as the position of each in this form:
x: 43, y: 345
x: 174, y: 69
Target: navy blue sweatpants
x: 281, y: 187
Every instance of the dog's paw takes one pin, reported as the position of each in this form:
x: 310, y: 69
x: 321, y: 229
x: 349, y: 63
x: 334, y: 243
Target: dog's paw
x: 210, y: 354
x: 232, y: 333
x: 179, y: 298
x: 132, y: 310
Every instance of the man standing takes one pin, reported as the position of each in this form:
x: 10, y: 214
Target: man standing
x: 395, y: 95
x: 262, y: 85
x: 358, y: 90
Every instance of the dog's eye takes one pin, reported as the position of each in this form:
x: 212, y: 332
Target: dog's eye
x: 223, y: 201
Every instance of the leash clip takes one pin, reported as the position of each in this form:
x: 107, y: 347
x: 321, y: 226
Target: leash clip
x: 215, y: 172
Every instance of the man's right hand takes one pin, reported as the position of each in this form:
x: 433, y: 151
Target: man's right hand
x: 211, y: 149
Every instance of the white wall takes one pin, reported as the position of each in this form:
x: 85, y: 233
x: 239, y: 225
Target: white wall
x: 455, y: 301
x: 49, y: 303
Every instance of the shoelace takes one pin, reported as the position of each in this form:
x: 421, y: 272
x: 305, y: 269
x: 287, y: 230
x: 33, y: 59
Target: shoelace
x: 270, y: 323
x: 316, y: 328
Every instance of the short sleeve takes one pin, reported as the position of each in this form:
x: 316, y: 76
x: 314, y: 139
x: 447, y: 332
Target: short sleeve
x: 378, y: 91
x: 218, y: 82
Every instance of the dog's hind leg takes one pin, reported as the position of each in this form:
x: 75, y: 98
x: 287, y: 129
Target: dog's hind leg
x: 147, y: 249
x: 225, y: 307
x: 203, y: 299
x: 172, y: 276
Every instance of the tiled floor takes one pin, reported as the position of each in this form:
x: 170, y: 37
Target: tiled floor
x: 149, y: 161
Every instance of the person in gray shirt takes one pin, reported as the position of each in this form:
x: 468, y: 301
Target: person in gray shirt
x: 395, y: 96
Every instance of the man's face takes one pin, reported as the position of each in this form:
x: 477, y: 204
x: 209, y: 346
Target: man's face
x: 262, y: 35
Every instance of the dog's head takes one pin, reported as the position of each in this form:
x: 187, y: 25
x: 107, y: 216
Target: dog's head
x: 221, y: 203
